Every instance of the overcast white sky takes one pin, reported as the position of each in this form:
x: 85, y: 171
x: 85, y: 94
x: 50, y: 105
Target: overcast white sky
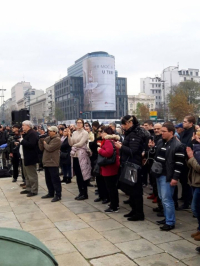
x: 39, y: 40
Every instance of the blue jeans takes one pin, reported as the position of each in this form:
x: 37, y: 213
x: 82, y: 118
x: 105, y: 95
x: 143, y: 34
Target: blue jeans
x: 165, y: 193
x: 196, y: 204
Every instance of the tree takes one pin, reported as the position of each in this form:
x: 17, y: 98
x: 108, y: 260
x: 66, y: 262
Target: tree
x: 179, y: 105
x: 142, y: 112
x: 59, y: 115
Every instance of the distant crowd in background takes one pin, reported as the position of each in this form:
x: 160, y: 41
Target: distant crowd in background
x: 129, y: 157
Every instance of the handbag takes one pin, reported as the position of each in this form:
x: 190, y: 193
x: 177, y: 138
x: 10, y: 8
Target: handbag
x: 156, y: 169
x: 63, y: 155
x: 96, y: 170
x: 103, y: 161
x: 129, y: 173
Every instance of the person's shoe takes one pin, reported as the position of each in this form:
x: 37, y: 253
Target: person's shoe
x: 167, y: 227
x: 109, y: 210
x: 64, y: 180
x: 77, y: 196
x: 56, y: 198
x: 197, y: 238
x: 90, y: 185
x: 105, y: 201
x: 151, y: 196
x: 157, y: 209
x: 48, y: 196
x: 96, y: 192
x: 130, y: 214
x: 183, y: 207
x: 24, y: 192
x: 127, y: 201
x: 14, y: 180
x: 155, y: 200
x: 160, y: 214
x: 136, y: 218
x: 195, y: 234
x: 161, y: 222
x: 182, y: 199
x: 31, y: 194
x: 83, y: 197
x: 97, y: 200
x: 68, y: 181
x: 24, y: 187
x: 23, y: 184
x: 198, y: 249
x: 40, y: 169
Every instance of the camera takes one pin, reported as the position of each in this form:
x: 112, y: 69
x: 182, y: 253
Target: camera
x: 43, y: 136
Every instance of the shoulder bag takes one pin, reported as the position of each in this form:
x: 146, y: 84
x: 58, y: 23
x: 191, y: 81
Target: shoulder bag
x: 103, y: 161
x: 129, y: 174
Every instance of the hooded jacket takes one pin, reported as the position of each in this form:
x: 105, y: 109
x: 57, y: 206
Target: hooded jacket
x: 107, y: 151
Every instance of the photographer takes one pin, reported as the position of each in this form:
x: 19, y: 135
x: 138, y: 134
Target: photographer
x: 13, y: 149
x: 42, y: 135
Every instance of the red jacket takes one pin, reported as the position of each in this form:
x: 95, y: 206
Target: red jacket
x: 107, y: 151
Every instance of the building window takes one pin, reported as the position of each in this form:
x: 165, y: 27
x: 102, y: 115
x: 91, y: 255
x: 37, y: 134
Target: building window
x: 192, y: 79
x: 183, y: 72
x: 191, y: 73
x: 152, y: 85
x: 184, y: 78
x: 196, y: 73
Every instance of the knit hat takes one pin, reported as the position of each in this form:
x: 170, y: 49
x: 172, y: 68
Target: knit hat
x: 53, y: 128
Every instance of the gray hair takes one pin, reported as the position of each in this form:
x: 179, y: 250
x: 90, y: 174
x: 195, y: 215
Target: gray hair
x: 27, y: 123
x: 113, y: 124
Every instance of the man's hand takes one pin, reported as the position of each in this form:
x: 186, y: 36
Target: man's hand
x: 190, y: 152
x: 118, y: 144
x: 98, y: 149
x: 173, y: 182
x: 44, y: 142
x: 11, y: 154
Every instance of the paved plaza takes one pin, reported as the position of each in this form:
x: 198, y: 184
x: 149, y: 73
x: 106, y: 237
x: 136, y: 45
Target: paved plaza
x: 81, y: 234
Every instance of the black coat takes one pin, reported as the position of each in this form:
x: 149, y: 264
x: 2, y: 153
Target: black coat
x: 3, y: 137
x: 65, y: 148
x: 186, y: 136
x: 30, y: 147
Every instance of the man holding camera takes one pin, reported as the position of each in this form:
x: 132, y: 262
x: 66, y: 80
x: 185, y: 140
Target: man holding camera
x: 51, y: 157
x: 13, y: 149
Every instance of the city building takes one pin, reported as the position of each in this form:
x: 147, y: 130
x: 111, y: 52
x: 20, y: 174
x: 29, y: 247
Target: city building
x: 92, y: 90
x: 142, y: 98
x: 152, y: 87
x: 30, y: 94
x: 20, y: 104
x: 5, y: 112
x: 17, y: 92
x: 38, y: 109
x: 50, y: 104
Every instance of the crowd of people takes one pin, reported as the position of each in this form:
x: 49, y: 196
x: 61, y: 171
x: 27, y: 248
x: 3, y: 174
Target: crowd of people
x: 159, y: 155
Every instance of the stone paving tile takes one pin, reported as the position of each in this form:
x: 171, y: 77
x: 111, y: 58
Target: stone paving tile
x: 195, y: 261
x: 71, y: 259
x: 30, y: 216
x: 105, y: 225
x: 4, y: 216
x: 4, y: 202
x: 141, y: 226
x: 48, y: 234
x: 96, y: 248
x: 180, y: 249
x: 187, y: 235
x: 10, y: 224
x: 120, y: 235
x: 158, y: 236
x: 74, y: 203
x: 82, y: 235
x: 25, y: 209
x: 5, y: 208
x: 71, y: 225
x: 139, y: 248
x: 60, y: 246
x: 61, y: 216
x: 37, y: 225
x: 120, y: 215
x: 182, y: 226
x: 94, y: 216
x: 83, y: 209
x: 113, y: 260
x: 21, y: 202
x: 162, y: 259
x: 52, y: 207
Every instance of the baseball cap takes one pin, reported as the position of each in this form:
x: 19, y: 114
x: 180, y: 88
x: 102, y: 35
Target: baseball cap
x: 180, y: 125
x: 53, y: 128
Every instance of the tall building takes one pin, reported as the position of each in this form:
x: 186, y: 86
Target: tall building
x: 152, y: 87
x: 50, y: 104
x: 18, y: 90
x: 98, y: 93
x: 29, y: 95
x: 37, y: 108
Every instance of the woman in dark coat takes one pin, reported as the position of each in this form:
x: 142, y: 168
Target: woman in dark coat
x: 65, y: 159
x: 131, y: 150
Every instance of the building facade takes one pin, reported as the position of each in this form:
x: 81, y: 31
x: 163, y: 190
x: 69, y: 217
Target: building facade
x: 17, y: 92
x: 142, y: 98
x: 38, y: 109
x: 29, y: 95
x: 50, y: 104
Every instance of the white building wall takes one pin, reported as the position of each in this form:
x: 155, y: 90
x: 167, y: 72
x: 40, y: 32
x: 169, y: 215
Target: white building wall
x: 147, y: 100
x: 18, y: 90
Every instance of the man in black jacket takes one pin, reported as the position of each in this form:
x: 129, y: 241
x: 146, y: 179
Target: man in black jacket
x: 29, y: 155
x: 170, y: 155
x: 186, y: 138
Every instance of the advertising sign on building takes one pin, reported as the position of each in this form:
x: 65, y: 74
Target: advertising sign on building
x: 99, y: 84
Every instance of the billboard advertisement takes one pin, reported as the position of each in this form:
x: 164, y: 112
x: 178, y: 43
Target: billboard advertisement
x: 99, y: 84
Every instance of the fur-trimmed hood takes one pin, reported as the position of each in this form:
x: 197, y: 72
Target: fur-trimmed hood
x: 114, y: 137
